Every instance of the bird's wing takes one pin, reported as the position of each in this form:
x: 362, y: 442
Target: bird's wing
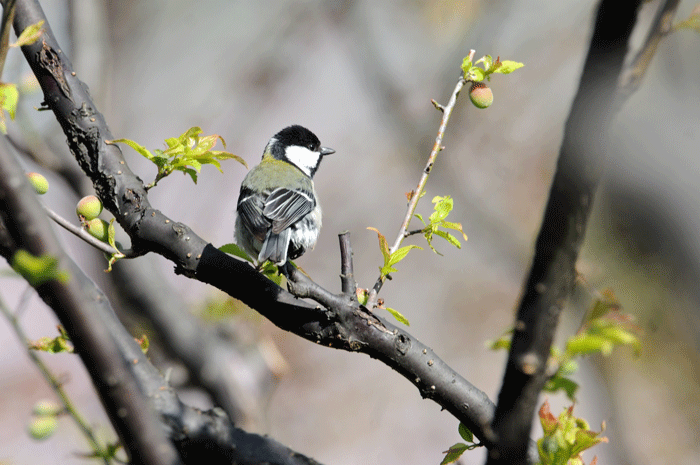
x: 284, y: 207
x: 250, y: 209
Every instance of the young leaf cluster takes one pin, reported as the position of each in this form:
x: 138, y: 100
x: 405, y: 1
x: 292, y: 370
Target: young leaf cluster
x: 604, y: 328
x: 455, y: 452
x: 55, y: 345
x: 565, y: 438
x: 475, y: 73
x: 186, y: 153
x: 438, y: 219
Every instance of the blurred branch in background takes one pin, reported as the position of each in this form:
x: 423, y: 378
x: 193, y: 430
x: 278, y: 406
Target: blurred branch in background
x: 579, y: 170
x: 631, y: 77
x: 29, y: 230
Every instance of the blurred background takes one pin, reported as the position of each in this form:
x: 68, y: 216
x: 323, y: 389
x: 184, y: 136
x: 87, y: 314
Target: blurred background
x: 360, y: 74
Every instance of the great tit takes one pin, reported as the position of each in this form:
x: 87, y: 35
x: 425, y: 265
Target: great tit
x: 278, y: 213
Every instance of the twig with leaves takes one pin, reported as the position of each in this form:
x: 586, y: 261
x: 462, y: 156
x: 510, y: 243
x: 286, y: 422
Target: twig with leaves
x: 481, y: 97
x: 186, y: 153
x: 416, y: 194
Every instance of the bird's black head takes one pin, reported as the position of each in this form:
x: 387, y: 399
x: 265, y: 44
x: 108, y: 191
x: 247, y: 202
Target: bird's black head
x: 299, y: 146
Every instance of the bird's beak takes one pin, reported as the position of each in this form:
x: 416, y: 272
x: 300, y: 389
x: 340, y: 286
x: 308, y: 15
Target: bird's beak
x: 326, y: 151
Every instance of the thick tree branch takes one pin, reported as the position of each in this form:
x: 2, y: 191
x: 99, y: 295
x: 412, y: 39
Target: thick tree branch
x: 342, y: 324
x: 553, y: 272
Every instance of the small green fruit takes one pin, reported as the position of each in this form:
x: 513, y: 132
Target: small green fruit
x: 47, y: 408
x: 40, y: 183
x: 481, y: 95
x: 89, y: 207
x: 98, y: 228
x: 42, y: 427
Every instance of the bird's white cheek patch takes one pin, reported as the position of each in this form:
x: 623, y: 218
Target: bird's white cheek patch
x: 303, y: 158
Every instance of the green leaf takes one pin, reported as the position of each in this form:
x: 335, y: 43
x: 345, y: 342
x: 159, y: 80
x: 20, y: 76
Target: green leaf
x: 503, y: 342
x: 234, y: 250
x: 455, y: 226
x: 37, y: 270
x: 399, y: 317
x: 607, y: 302
x: 588, y: 344
x: 449, y: 238
x: 9, y: 95
x: 30, y: 34
x: 507, y: 67
x: 569, y: 367
x: 420, y: 217
x: 111, y: 233
x: 476, y: 74
x: 466, y: 66
x: 401, y: 253
x: 466, y: 434
x: 560, y: 383
x: 383, y: 245
x: 443, y: 207
x: 138, y: 147
x: 191, y: 172
x: 586, y: 439
x: 271, y: 272
x: 454, y: 453
x: 386, y: 268
x: 487, y: 60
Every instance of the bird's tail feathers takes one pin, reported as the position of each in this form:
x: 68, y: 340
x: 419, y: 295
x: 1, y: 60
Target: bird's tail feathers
x: 275, y: 247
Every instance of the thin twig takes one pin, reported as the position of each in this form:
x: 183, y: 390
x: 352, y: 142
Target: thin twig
x: 83, y: 234
x: 55, y: 384
x: 413, y: 232
x: 437, y: 148
x: 634, y: 73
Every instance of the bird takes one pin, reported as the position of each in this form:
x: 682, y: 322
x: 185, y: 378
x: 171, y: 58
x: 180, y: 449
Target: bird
x: 278, y: 212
